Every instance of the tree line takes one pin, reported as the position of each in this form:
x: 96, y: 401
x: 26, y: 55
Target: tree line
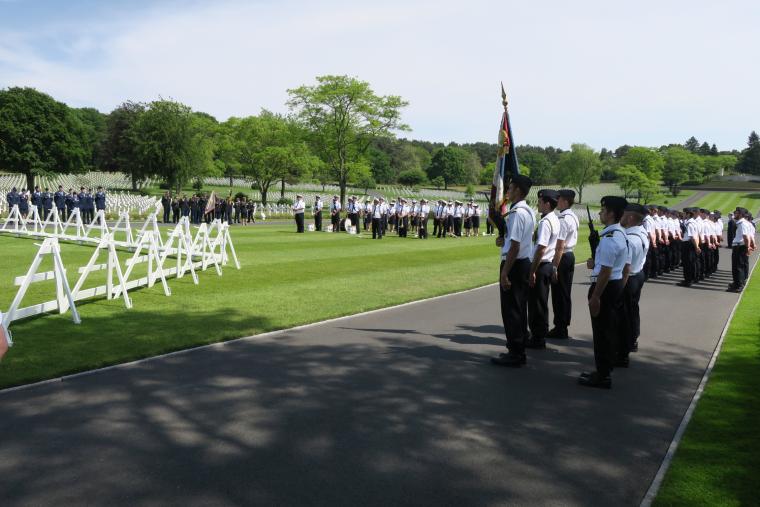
x: 338, y: 130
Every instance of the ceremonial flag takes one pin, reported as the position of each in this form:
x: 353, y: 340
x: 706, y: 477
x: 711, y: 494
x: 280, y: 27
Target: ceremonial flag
x: 211, y: 204
x: 506, y: 168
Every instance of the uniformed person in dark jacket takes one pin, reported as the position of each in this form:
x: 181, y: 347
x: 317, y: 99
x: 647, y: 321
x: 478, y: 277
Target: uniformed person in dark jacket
x: 83, y: 211
x: 12, y: 198
x: 60, y: 202
x: 23, y: 203
x: 72, y: 202
x: 47, y: 203
x: 166, y: 204
x: 731, y: 233
x: 100, y: 200
x: 37, y: 200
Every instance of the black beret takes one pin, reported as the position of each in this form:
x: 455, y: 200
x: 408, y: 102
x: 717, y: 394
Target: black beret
x: 522, y: 182
x: 567, y: 193
x: 651, y: 206
x: 662, y: 208
x: 636, y: 208
x: 702, y: 210
x: 548, y: 194
x: 614, y: 202
x: 742, y: 210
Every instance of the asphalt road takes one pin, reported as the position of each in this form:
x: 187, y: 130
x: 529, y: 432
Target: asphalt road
x: 398, y: 407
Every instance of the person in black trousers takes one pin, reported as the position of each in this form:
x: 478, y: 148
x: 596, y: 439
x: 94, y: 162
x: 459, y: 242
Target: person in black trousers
x: 516, y: 246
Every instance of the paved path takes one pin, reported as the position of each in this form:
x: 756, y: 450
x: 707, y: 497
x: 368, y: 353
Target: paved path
x: 699, y: 194
x: 399, y: 407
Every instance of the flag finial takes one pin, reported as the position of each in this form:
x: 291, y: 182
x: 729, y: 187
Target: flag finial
x: 504, y: 100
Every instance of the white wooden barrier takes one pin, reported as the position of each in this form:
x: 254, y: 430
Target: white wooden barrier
x: 64, y: 298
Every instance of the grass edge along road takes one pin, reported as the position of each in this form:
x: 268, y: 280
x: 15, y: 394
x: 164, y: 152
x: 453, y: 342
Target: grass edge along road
x: 287, y: 280
x: 718, y: 460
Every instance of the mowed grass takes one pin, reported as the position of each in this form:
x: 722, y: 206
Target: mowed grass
x: 727, y: 202
x: 287, y: 279
x: 718, y: 460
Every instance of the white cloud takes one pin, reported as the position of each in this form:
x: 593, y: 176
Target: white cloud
x: 593, y: 71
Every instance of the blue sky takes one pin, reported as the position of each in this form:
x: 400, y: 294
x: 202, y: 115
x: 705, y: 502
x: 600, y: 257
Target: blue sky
x: 603, y: 73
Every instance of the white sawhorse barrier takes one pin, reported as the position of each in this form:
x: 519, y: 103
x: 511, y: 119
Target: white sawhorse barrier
x: 64, y: 298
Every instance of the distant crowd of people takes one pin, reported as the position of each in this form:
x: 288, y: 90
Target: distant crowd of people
x: 197, y: 209
x: 450, y: 218
x: 63, y: 202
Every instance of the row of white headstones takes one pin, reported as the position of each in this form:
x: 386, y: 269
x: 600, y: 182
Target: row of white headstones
x: 210, y: 246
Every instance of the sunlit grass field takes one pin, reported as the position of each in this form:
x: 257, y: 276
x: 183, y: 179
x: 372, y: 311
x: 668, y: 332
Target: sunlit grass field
x: 728, y: 201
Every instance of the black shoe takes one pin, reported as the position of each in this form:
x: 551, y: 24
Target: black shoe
x: 635, y: 347
x: 560, y: 334
x: 594, y: 379
x: 684, y: 284
x: 511, y: 360
x: 535, y: 343
x: 622, y: 362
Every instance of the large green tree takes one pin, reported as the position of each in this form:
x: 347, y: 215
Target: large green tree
x: 118, y: 149
x: 40, y: 136
x: 449, y: 163
x: 676, y: 169
x: 270, y: 149
x: 578, y: 168
x: 646, y: 160
x: 173, y: 143
x: 344, y: 115
x: 94, y: 123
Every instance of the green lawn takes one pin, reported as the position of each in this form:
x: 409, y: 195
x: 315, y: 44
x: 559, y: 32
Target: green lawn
x: 718, y: 460
x: 728, y: 201
x: 286, y: 280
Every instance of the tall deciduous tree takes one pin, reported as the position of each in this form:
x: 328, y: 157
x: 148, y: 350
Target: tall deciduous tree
x: 676, y: 168
x: 578, y: 167
x: 344, y: 115
x: 449, y: 163
x: 173, y: 143
x: 118, y: 151
x: 270, y: 149
x: 646, y: 160
x: 39, y: 136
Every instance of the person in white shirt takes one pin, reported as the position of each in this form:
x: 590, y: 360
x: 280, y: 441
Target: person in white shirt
x: 413, y: 210
x: 741, y: 249
x: 317, y: 212
x: 467, y: 218
x: 422, y: 219
x: 436, y: 217
x: 516, y: 249
x: 376, y: 213
x: 442, y: 219
x: 690, y: 249
x: 650, y: 225
x: 449, y: 228
x: 563, y: 264
x: 384, y: 216
x: 476, y: 212
x: 366, y: 210
x: 298, y: 210
x: 335, y: 214
x: 638, y: 243
x: 610, y: 264
x: 458, y: 212
x: 540, y: 277
x: 402, y: 214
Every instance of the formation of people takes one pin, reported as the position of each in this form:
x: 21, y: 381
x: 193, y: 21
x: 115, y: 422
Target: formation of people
x: 402, y: 216
x: 196, y: 207
x: 637, y: 242
x: 86, y: 201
